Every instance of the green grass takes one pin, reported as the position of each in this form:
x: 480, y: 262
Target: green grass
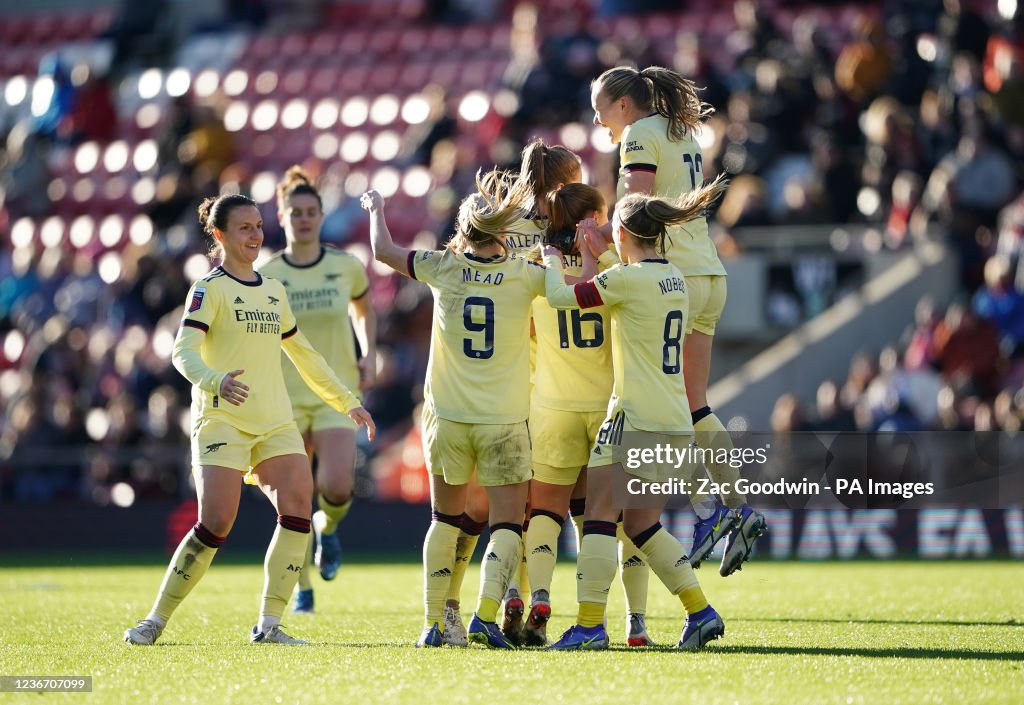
x: 911, y: 633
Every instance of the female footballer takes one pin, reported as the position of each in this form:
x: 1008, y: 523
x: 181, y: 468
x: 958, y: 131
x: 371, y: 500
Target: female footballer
x: 229, y: 347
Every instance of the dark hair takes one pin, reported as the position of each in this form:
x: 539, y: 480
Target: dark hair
x: 214, y: 213
x: 657, y: 90
x: 296, y: 182
x: 566, y: 207
x: 544, y: 167
x: 646, y: 218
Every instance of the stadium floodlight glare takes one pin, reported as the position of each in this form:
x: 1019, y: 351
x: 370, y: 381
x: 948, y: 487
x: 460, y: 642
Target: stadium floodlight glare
x: 415, y: 110
x: 574, y: 136
x: 386, y: 181
x: 109, y: 267
x: 115, y: 158
x: 474, y: 106
x: 22, y: 232
x: 52, y: 232
x: 600, y: 140
x: 294, y: 114
x: 416, y: 182
x: 386, y: 146
x: 325, y: 114
x: 147, y: 116
x: 356, y: 183
x: 206, y: 83
x: 141, y: 230
x: 111, y: 230
x: 355, y: 112
x: 14, y: 345
x: 82, y: 230
x: 384, y: 110
x: 145, y: 156
x: 143, y: 191
x: 354, y: 148
x: 264, y: 115
x: 236, y: 116
x: 235, y: 82
x: 83, y: 190
x: 16, y: 90
x: 42, y: 92
x: 87, y: 156
x: 326, y: 146
x: 263, y: 187
x: 178, y: 82
x: 150, y: 83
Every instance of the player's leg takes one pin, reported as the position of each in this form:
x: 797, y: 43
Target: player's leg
x: 550, y: 502
x: 288, y: 481
x: 667, y: 559
x: 503, y: 469
x: 450, y: 460
x: 474, y: 521
x: 635, y: 576
x: 335, y: 453
x: 447, y: 502
x: 578, y: 507
x: 595, y: 565
x: 708, y: 295
x: 218, y: 489
x: 304, y: 601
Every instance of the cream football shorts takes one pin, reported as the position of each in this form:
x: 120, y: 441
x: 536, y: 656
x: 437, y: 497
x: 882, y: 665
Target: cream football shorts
x: 561, y: 442
x: 216, y: 442
x: 500, y: 453
x: 707, y: 301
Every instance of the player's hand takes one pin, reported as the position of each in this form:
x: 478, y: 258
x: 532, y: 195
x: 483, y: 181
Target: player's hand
x: 367, y: 373
x: 362, y: 416
x: 551, y: 250
x: 232, y: 390
x: 371, y: 201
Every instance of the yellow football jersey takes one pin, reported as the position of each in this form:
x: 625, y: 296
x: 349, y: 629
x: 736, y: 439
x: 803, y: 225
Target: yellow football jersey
x: 479, y: 368
x: 319, y: 294
x: 648, y: 303
x: 677, y: 168
x: 574, y: 353
x: 230, y: 324
x: 526, y: 232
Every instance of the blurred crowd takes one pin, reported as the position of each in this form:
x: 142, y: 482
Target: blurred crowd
x: 901, y: 115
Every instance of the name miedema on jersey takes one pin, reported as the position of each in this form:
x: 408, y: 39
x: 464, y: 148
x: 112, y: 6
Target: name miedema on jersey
x: 471, y: 275
x: 259, y: 321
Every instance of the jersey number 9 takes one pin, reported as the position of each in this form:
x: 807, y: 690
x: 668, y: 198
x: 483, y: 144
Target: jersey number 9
x: 471, y: 313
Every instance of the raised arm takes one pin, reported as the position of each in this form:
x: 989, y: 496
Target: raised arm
x: 318, y: 375
x: 384, y: 248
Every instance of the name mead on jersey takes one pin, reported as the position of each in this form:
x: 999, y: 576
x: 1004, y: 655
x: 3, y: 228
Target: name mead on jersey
x: 473, y: 276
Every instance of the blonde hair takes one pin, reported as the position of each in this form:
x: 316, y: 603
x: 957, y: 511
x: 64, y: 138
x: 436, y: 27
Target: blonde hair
x: 296, y: 182
x: 657, y: 90
x: 485, y: 215
x: 647, y: 218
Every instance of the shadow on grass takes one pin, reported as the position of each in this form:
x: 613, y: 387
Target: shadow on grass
x: 911, y: 622
x: 898, y: 652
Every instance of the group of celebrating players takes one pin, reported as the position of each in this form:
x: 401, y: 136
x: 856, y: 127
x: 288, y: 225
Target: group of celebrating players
x: 559, y: 338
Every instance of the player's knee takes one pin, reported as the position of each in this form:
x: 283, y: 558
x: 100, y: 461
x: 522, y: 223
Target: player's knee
x: 335, y: 487
x: 218, y: 520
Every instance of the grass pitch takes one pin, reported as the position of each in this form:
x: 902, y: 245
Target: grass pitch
x: 911, y: 633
